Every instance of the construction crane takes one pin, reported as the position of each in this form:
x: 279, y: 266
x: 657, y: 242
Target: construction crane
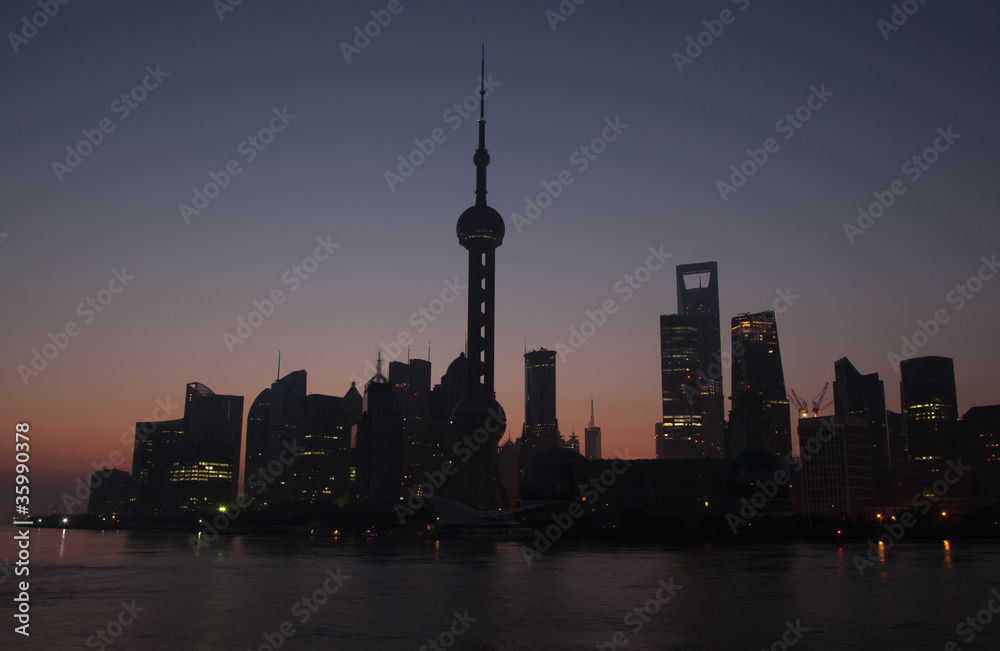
x: 818, y: 405
x: 800, y: 404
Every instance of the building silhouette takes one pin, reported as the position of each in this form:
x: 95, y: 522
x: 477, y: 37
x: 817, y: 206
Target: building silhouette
x: 298, y: 444
x: 930, y: 407
x: 592, y: 437
x: 682, y: 433
x: 277, y: 417
x: 189, y: 465
x: 836, y: 478
x: 110, y: 494
x: 480, y: 230
x: 698, y: 300
x: 864, y: 395
x: 980, y: 427
x: 759, y: 370
x: 541, y: 428
x: 411, y: 399
x: 379, y: 454
x: 898, y: 451
x: 321, y: 471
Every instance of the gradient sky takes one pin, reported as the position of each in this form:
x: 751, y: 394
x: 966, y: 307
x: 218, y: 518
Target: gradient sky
x: 323, y: 176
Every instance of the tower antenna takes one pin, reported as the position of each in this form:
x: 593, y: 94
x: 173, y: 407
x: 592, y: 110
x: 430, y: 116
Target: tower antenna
x: 279, y: 366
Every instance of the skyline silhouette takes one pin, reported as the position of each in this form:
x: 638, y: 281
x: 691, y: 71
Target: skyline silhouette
x: 605, y: 151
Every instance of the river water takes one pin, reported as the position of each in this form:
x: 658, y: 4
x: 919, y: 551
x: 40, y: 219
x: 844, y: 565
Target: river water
x: 238, y: 592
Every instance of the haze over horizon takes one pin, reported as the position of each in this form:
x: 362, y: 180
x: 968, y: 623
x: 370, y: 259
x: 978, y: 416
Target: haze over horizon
x: 635, y: 135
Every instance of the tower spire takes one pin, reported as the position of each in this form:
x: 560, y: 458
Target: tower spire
x: 482, y: 157
x: 591, y: 411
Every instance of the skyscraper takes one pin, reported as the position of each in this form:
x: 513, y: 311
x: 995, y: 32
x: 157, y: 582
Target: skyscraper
x: 379, y: 453
x: 189, y: 465
x: 480, y: 230
x: 411, y: 386
x: 682, y: 433
x: 317, y: 427
x: 541, y: 429
x: 277, y: 417
x: 864, y: 395
x: 930, y: 406
x: 698, y: 300
x: 592, y: 437
x: 759, y: 370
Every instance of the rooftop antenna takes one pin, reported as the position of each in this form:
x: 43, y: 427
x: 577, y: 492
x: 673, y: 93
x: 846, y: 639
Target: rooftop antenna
x: 591, y: 411
x: 378, y: 369
x: 279, y: 366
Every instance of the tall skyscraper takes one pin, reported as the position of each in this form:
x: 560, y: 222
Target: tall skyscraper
x: 379, y: 455
x: 480, y: 230
x: 592, y: 437
x: 930, y: 406
x: 189, y: 465
x: 864, y: 395
x: 759, y: 370
x: 698, y: 300
x: 683, y: 431
x: 541, y: 429
x: 277, y: 417
x: 411, y: 386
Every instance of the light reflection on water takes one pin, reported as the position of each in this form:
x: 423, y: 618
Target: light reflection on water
x: 402, y: 593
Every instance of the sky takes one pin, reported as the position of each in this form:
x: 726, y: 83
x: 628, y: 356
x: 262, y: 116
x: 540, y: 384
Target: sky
x: 169, y: 169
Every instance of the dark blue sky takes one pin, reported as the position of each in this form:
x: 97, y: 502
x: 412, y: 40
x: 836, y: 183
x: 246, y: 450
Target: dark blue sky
x: 655, y: 184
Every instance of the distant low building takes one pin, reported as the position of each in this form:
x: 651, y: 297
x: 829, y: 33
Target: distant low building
x: 110, y: 494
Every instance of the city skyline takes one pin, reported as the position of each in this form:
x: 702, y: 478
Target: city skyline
x: 360, y: 259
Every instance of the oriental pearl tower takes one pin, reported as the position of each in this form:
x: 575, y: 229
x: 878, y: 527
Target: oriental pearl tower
x: 478, y: 420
